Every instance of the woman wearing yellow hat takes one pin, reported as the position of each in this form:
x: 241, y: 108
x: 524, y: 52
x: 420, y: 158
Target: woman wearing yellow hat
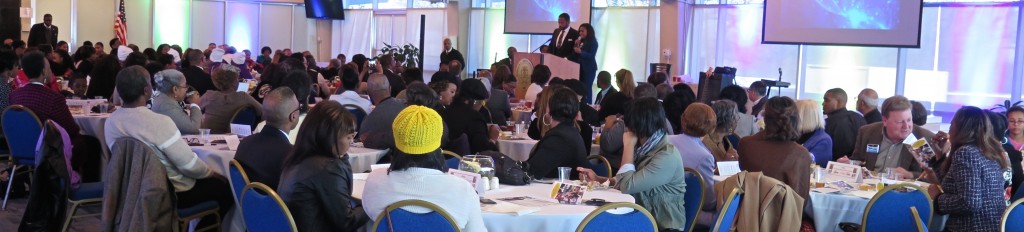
x: 317, y: 178
x: 416, y: 172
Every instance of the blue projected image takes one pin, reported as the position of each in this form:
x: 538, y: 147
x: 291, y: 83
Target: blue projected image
x: 848, y: 14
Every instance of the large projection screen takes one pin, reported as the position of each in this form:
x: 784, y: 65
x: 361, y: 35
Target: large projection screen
x: 882, y: 23
x: 541, y: 16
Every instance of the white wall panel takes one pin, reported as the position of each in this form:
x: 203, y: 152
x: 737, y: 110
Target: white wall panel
x: 242, y: 24
x: 276, y: 26
x: 207, y: 23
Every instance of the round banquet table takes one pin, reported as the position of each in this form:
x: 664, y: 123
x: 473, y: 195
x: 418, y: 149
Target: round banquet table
x: 520, y: 149
x: 218, y: 157
x: 556, y: 217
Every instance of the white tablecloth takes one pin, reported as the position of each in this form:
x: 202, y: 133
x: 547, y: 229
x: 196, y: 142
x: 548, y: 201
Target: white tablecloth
x: 549, y: 218
x: 218, y: 157
x: 92, y: 125
x: 520, y: 149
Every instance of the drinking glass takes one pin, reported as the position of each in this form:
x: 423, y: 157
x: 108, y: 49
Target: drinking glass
x: 204, y: 136
x: 481, y: 164
x: 563, y: 174
x: 104, y: 108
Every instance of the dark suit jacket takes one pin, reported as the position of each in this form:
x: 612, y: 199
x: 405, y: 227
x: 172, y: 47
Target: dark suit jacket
x: 462, y: 119
x: 447, y: 57
x: 262, y: 155
x: 758, y: 106
x: 566, y: 50
x: 560, y: 147
x: 872, y: 134
x: 842, y: 126
x: 396, y: 82
x: 41, y: 35
x: 601, y: 95
x: 198, y: 78
x: 873, y: 116
x: 499, y: 107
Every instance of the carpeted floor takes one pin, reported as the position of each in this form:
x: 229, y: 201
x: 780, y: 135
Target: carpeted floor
x: 11, y: 218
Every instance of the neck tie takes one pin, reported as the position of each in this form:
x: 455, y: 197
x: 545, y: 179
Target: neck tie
x: 559, y: 40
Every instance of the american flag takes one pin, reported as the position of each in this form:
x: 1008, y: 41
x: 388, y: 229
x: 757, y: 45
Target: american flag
x: 121, y: 25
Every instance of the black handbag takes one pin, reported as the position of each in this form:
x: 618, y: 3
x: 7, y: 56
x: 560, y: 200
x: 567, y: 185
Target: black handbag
x: 508, y: 170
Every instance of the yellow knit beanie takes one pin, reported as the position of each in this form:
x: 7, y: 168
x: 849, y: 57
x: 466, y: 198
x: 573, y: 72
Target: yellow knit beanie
x: 417, y: 130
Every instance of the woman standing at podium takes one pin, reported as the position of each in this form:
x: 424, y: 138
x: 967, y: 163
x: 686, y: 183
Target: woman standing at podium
x: 586, y: 48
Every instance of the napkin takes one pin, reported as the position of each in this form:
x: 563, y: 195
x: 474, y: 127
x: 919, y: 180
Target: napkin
x: 728, y: 168
x: 509, y: 208
x: 232, y: 142
x: 360, y: 176
x: 241, y: 130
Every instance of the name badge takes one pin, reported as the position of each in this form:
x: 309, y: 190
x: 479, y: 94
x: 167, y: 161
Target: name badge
x: 873, y: 148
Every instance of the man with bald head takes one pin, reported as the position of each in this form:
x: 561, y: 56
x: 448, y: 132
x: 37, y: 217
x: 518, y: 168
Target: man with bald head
x: 841, y: 124
x: 375, y: 131
x: 867, y: 105
x: 262, y: 154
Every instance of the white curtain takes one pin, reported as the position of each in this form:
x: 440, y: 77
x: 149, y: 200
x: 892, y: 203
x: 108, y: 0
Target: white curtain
x: 353, y: 35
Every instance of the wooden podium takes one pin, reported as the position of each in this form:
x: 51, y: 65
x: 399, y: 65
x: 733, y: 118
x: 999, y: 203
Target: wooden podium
x: 524, y: 63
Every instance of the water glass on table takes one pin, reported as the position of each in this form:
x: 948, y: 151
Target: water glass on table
x: 563, y: 174
x: 204, y: 136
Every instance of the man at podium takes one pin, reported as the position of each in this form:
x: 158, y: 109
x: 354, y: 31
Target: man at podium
x: 563, y: 39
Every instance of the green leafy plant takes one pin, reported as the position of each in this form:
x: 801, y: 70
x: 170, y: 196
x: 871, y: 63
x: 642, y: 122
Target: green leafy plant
x: 407, y: 55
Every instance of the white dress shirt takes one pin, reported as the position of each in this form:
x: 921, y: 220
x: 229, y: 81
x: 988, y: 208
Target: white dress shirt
x: 532, y: 91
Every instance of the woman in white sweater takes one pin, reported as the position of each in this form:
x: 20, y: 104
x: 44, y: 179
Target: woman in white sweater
x: 416, y: 172
x: 193, y: 181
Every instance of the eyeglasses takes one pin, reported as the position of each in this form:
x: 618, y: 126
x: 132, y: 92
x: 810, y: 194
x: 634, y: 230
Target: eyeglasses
x: 192, y: 141
x: 1015, y: 122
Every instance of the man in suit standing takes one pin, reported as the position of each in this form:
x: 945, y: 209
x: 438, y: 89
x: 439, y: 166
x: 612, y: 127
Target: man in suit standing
x: 563, y: 39
x: 450, y: 54
x: 262, y: 154
x: 195, y: 74
x: 881, y: 145
x: 43, y: 33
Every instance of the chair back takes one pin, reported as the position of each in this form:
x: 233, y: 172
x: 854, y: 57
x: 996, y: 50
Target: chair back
x: 694, y: 197
x: 1019, y: 193
x: 359, y: 112
x: 727, y: 217
x: 246, y: 116
x: 603, y: 219
x: 238, y: 180
x: 1013, y: 218
x: 451, y: 159
x: 893, y: 203
x: 459, y: 145
x: 22, y: 129
x: 263, y: 210
x: 600, y: 165
x: 396, y: 219
x: 921, y: 227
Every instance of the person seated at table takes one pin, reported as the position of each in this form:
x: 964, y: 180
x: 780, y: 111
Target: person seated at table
x: 8, y: 69
x: 348, y: 96
x: 445, y: 89
x: 540, y: 77
x: 173, y: 90
x: 498, y: 103
x: 746, y: 124
x: 463, y: 118
x: 194, y: 182
x: 538, y: 127
x: 611, y: 135
x: 316, y: 183
x: 972, y: 177
x: 299, y: 82
x: 1013, y: 144
x: 722, y: 142
x: 375, y: 131
x: 676, y: 103
x: 44, y: 102
x: 774, y: 150
x: 77, y: 87
x: 812, y: 132
x: 561, y: 145
x: 614, y: 103
x: 651, y: 170
x: 697, y: 121
x: 416, y: 173
x: 222, y: 104
x: 261, y: 154
x: 880, y: 145
x: 587, y: 113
